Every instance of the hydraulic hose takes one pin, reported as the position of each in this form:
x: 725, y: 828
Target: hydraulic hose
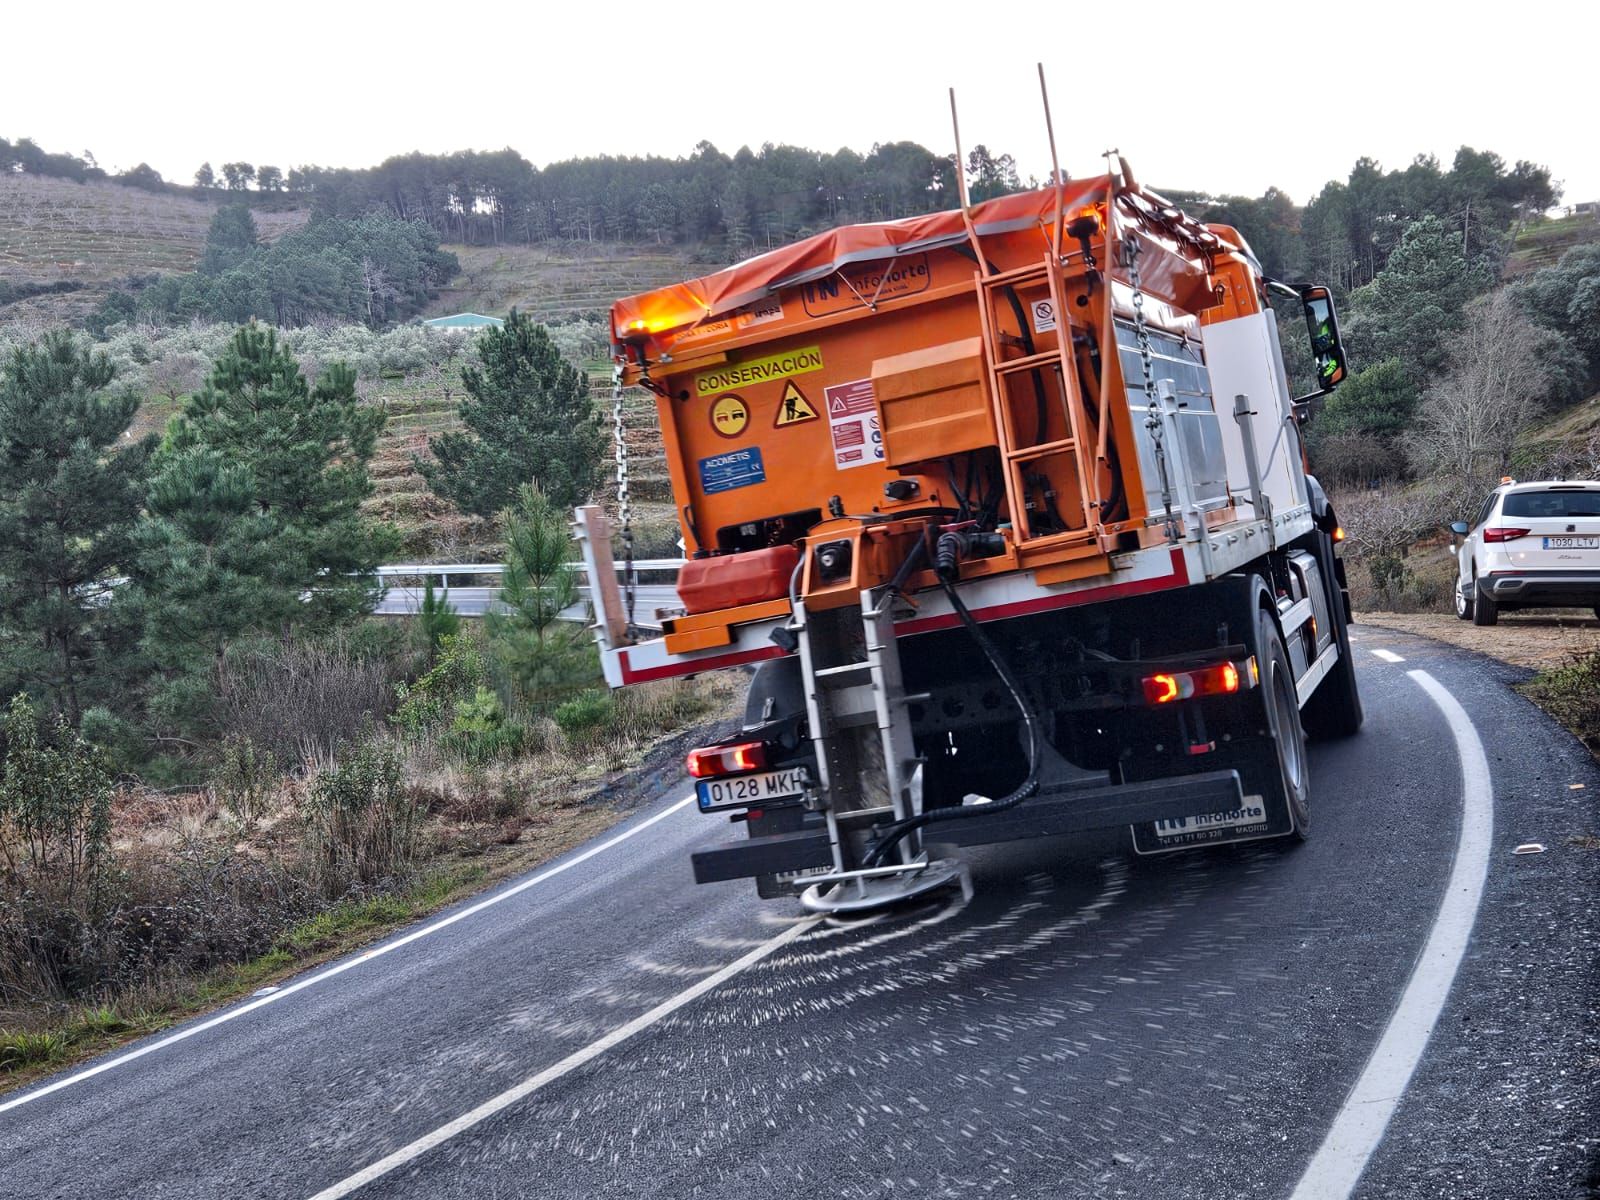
x: 1030, y: 720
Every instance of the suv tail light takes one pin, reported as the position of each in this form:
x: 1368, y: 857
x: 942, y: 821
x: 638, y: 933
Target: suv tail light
x: 1220, y: 679
x: 1504, y: 533
x: 711, y: 761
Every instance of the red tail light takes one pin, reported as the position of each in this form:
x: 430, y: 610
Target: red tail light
x: 713, y: 761
x: 1504, y: 533
x: 1218, y: 680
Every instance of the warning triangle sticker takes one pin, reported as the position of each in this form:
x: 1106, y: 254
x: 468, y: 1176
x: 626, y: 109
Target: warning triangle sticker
x: 794, y: 407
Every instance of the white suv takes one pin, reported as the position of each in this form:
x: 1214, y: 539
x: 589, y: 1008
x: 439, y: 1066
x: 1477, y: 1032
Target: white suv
x: 1532, y: 545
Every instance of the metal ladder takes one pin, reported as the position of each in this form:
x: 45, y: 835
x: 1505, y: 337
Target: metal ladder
x: 856, y: 704
x: 1016, y: 454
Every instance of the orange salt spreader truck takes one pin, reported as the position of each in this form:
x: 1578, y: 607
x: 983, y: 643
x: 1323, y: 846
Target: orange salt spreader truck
x: 1008, y: 512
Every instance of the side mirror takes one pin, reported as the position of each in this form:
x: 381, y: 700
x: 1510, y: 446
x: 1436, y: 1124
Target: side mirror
x: 1459, y: 528
x: 1326, y: 348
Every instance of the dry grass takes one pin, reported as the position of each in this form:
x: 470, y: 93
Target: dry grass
x: 233, y: 908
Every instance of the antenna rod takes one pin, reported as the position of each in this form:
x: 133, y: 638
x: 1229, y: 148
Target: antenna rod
x: 1055, y: 165
x: 961, y: 189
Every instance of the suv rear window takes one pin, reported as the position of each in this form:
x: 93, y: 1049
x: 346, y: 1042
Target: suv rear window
x: 1553, y: 503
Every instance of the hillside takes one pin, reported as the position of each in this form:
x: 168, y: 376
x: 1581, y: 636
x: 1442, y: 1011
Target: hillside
x: 559, y: 279
x: 1543, y: 244
x: 54, y: 231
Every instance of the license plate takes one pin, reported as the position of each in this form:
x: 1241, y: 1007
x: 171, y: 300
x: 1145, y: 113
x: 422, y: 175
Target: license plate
x: 741, y: 791
x: 1572, y: 543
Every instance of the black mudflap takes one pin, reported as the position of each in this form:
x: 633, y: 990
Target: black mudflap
x: 1256, y: 817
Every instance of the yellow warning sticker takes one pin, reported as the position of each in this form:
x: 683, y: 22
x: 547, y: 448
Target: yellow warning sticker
x: 729, y: 415
x: 794, y: 407
x: 760, y: 370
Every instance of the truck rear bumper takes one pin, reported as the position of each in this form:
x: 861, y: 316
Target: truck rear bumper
x: 1049, y: 814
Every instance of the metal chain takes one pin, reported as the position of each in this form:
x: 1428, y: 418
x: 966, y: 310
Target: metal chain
x: 1152, y: 421
x: 619, y: 437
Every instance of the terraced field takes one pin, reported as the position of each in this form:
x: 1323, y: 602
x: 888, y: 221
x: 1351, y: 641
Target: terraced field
x: 1543, y: 244
x: 432, y: 528
x: 54, y: 230
x: 559, y: 280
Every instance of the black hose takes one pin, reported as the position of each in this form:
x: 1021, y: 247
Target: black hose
x: 1030, y: 720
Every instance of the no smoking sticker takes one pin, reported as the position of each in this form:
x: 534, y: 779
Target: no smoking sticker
x: 729, y: 415
x: 1044, y: 316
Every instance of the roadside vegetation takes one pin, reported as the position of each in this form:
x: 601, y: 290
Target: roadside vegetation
x: 215, y: 764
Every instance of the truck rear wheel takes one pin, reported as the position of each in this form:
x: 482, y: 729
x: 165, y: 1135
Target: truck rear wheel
x: 1274, y: 766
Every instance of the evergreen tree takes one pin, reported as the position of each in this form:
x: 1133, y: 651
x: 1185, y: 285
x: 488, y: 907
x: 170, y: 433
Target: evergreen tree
x: 530, y: 421
x: 540, y: 657
x: 1417, y: 301
x: 70, y: 491
x: 205, y: 177
x: 436, y: 619
x: 255, y: 511
x: 231, y: 239
x: 1380, y: 400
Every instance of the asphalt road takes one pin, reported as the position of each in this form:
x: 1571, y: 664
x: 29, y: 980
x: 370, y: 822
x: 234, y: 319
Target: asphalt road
x: 1090, y: 1025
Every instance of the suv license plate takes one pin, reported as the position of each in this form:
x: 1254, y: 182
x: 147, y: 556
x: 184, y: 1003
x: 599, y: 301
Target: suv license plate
x: 1572, y: 543
x: 739, y: 791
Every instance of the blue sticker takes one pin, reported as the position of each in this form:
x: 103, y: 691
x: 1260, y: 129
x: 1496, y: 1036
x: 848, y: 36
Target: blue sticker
x: 735, y: 469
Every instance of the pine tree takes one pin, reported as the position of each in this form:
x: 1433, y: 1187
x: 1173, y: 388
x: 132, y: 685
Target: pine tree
x: 255, y: 521
x: 437, y: 619
x: 541, y: 657
x: 70, y: 491
x: 531, y: 421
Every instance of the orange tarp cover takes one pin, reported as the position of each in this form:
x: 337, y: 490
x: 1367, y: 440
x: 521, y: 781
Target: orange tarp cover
x: 676, y: 308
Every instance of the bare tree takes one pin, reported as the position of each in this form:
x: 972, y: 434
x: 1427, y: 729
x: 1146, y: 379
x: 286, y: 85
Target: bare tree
x: 1497, y: 378
x: 380, y: 293
x: 174, y: 375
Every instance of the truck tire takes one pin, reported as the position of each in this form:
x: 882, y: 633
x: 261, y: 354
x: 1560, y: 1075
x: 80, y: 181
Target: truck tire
x: 1275, y: 766
x: 1334, y: 710
x: 1485, y: 611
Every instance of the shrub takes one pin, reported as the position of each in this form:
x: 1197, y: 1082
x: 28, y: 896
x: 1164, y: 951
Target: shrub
x: 247, y: 780
x: 55, y: 821
x: 585, y: 714
x: 303, y: 697
x: 361, y: 823
x: 1571, y: 694
x: 480, y: 730
x: 458, y: 671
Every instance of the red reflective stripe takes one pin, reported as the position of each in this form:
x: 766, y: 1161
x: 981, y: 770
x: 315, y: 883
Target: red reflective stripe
x: 693, y: 666
x: 1023, y: 608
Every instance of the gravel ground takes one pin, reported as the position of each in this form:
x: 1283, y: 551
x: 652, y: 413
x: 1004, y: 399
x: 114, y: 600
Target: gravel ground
x: 1537, y: 640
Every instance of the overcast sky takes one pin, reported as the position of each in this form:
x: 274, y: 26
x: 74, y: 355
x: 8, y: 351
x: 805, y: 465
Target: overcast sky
x: 1219, y: 97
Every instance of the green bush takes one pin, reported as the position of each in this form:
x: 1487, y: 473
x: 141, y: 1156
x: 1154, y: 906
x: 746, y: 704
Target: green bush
x: 246, y: 780
x: 458, y: 671
x: 480, y: 730
x: 362, y: 825
x: 586, y: 714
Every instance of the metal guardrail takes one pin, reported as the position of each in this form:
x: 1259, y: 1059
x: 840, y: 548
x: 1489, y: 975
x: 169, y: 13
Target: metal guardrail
x: 474, y: 588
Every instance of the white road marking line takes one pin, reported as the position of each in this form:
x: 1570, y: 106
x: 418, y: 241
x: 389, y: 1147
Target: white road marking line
x: 1359, y: 1126
x: 571, y: 1063
x: 1388, y: 656
x: 339, y: 968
